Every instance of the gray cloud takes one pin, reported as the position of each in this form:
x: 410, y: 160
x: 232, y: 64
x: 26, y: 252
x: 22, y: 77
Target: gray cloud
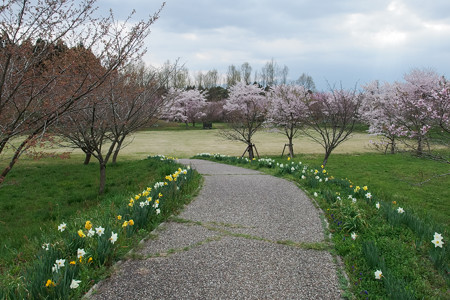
x: 335, y: 40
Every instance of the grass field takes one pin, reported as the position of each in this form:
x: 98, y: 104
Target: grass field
x: 183, y: 142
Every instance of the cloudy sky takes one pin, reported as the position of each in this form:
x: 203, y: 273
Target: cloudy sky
x: 335, y: 41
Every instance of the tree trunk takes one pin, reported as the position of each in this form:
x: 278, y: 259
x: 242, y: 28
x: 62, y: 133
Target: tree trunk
x: 101, y: 189
x: 23, y: 146
x: 87, y: 158
x: 250, y: 152
x: 419, y: 146
x: 325, y: 159
x: 393, y: 146
x: 291, y: 148
x: 116, y: 152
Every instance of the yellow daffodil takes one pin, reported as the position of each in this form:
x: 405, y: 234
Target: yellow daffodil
x: 81, y: 233
x: 137, y: 197
x: 165, y: 183
x: 90, y: 259
x: 289, y: 158
x: 72, y: 262
x: 324, y: 171
x: 322, y: 166
x: 88, y: 225
x: 145, y: 193
x: 160, y: 195
x: 365, y: 188
x: 119, y: 217
x: 131, y: 222
x: 149, y: 189
x: 149, y: 199
x: 50, y: 283
x: 125, y: 224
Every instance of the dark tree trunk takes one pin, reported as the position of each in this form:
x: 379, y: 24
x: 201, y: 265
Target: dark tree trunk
x: 101, y: 189
x: 325, y: 159
x: 250, y: 152
x: 291, y: 148
x: 15, y: 158
x: 87, y: 158
x: 419, y: 146
x: 118, y: 148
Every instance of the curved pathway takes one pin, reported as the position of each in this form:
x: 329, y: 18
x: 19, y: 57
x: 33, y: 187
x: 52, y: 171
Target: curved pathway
x: 247, y: 235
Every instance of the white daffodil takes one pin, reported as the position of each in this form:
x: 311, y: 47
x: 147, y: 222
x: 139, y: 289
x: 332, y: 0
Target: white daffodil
x: 437, y: 236
x: 91, y: 233
x: 100, y: 230
x: 303, y: 176
x: 60, y: 262
x: 113, y: 237
x: 62, y: 227
x: 80, y: 253
x: 46, y: 246
x: 354, y: 200
x: 368, y: 195
x: 75, y: 283
x: 377, y: 205
x: 378, y: 274
x: 354, y: 236
x: 55, y: 268
x: 141, y: 204
x: 158, y: 211
x: 400, y: 210
x: 437, y: 242
x: 315, y: 194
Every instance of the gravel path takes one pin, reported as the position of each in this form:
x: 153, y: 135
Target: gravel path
x: 246, y: 236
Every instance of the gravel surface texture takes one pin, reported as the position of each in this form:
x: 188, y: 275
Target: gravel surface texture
x: 224, y: 245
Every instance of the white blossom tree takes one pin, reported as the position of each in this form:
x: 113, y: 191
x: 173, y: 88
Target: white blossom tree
x: 186, y: 106
x: 245, y: 112
x: 288, y: 110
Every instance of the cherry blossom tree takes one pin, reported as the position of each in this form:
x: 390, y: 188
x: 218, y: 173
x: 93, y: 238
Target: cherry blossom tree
x: 375, y: 108
x: 332, y: 117
x: 412, y: 107
x: 186, y: 106
x: 288, y: 110
x: 245, y: 112
x: 43, y: 70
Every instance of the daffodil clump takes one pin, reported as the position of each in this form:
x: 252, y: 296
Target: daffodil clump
x: 382, y: 243
x: 78, y: 247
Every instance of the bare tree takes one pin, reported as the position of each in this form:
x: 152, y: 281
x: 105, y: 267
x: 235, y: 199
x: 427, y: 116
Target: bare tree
x: 37, y: 82
x: 306, y: 81
x: 233, y: 75
x: 246, y: 72
x: 211, y: 79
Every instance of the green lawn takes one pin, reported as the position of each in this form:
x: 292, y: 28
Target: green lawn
x: 38, y: 195
x: 397, y: 178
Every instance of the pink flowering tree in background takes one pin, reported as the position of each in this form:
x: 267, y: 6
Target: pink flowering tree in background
x: 412, y: 108
x: 288, y: 110
x: 186, y: 106
x: 374, y: 111
x: 245, y: 112
x: 332, y: 117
